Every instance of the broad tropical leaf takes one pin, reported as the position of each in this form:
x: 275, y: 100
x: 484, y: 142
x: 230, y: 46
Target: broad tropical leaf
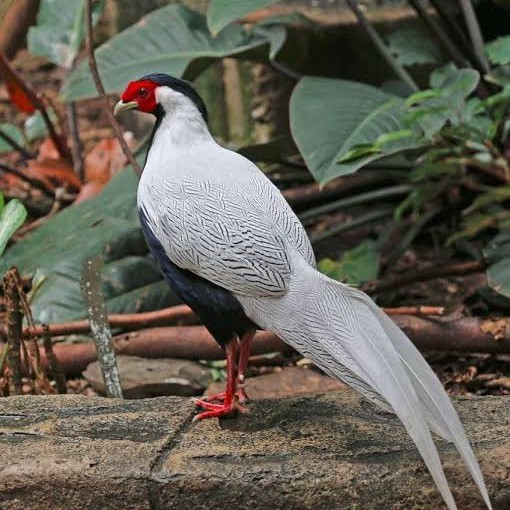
x: 497, y: 253
x: 107, y: 225
x: 13, y: 215
x: 498, y: 50
x: 411, y: 46
x: 168, y: 39
x: 330, y: 118
x: 60, y: 30
x: 222, y: 12
x: 12, y: 131
x: 356, y: 266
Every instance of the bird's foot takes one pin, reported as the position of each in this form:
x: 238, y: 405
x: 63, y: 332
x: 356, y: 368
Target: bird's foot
x: 218, y: 410
x: 240, y: 395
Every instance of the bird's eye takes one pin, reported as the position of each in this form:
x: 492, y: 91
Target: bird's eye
x: 142, y: 92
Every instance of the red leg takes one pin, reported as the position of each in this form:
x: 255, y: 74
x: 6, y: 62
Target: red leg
x: 244, y: 356
x: 229, y: 403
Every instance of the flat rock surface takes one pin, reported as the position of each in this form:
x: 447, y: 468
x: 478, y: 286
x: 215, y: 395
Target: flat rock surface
x: 317, y: 452
x: 144, y: 377
x: 287, y: 382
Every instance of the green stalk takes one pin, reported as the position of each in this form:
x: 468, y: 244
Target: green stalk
x: 348, y: 225
x: 381, y: 46
x: 355, y: 200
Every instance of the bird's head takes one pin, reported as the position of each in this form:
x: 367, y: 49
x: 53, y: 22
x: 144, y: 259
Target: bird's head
x: 160, y: 94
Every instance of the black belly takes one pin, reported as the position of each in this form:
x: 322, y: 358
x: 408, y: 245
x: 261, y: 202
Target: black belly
x: 220, y: 312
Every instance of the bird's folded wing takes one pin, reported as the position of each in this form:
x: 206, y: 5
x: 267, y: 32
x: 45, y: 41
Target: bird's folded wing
x: 225, y: 235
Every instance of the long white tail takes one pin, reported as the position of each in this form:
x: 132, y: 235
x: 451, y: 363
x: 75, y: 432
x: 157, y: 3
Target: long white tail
x: 344, y: 332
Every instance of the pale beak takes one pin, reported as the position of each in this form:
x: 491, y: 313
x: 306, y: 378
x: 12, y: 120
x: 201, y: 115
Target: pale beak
x: 121, y: 106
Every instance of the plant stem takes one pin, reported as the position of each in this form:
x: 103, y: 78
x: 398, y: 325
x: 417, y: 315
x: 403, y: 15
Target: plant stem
x: 355, y: 200
x: 100, y: 89
x: 77, y: 146
x: 36, y: 183
x: 348, y: 225
x: 381, y: 46
x: 16, y: 146
x: 441, y: 35
x: 475, y: 33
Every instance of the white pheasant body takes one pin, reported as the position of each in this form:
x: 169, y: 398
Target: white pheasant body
x: 217, y: 216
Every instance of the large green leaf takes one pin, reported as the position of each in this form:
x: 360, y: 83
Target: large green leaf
x: 13, y: 215
x: 332, y: 119
x: 497, y: 253
x: 411, y: 46
x: 498, y: 50
x: 12, y: 131
x: 166, y: 40
x: 107, y: 225
x: 60, y: 30
x: 222, y: 12
x: 356, y: 266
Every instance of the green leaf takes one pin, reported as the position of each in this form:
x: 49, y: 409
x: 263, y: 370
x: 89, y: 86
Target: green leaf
x: 168, y: 39
x: 222, y: 12
x: 498, y: 50
x: 358, y: 151
x: 107, y: 225
x: 329, y: 118
x: 12, y: 131
x: 35, y: 127
x: 411, y: 46
x: 13, y: 215
x: 497, y: 252
x: 60, y: 30
x: 356, y: 266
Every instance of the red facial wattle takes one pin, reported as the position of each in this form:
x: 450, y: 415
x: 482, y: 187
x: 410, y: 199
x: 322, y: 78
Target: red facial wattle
x: 143, y: 92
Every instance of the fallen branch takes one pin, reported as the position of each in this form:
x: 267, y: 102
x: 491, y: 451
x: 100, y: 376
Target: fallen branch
x: 420, y: 275
x: 101, y: 91
x: 194, y: 342
x: 181, y: 314
x: 176, y: 315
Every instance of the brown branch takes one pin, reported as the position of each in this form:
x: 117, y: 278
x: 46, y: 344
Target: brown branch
x: 466, y: 334
x: 415, y: 310
x: 181, y: 314
x: 420, y: 275
x: 100, y: 89
x: 36, y: 183
x: 54, y: 369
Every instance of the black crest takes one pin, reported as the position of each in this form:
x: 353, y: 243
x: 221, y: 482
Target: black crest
x: 181, y: 86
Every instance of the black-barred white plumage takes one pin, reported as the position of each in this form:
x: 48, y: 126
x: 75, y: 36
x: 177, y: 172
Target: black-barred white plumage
x: 230, y: 245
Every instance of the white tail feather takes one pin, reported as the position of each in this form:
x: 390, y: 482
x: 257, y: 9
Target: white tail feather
x: 350, y: 338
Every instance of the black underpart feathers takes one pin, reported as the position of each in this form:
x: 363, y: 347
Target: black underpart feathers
x: 179, y: 86
x: 219, y: 310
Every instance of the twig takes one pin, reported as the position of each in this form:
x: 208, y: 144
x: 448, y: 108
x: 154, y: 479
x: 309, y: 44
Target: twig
x: 36, y: 183
x: 76, y: 146
x: 369, y: 196
x: 420, y: 275
x: 457, y: 33
x: 100, y: 89
x: 53, y: 364
x: 14, y: 328
x: 441, y: 35
x: 475, y: 33
x: 415, y: 310
x: 16, y: 146
x: 348, y: 225
x: 96, y: 310
x: 379, y: 44
x: 287, y: 71
x: 181, y: 314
